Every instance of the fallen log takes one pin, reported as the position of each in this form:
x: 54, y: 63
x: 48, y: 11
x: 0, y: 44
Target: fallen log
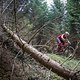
x: 40, y: 57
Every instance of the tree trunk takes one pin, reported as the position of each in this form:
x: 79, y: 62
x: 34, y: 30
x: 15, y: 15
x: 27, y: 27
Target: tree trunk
x: 41, y: 58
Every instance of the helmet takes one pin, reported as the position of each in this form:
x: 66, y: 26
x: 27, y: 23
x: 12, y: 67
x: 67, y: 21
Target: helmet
x: 67, y: 33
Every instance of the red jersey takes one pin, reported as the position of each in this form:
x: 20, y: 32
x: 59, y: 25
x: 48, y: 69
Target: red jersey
x: 61, y: 38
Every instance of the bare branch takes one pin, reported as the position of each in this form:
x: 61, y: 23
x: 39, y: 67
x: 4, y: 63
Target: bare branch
x: 7, y: 6
x: 38, y: 31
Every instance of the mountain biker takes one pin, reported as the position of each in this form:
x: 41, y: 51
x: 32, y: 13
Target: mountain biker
x: 62, y: 39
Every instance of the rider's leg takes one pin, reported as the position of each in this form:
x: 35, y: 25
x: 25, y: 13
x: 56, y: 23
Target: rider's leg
x: 59, y: 43
x: 60, y: 48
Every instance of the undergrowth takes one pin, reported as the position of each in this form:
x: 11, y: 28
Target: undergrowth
x: 69, y: 64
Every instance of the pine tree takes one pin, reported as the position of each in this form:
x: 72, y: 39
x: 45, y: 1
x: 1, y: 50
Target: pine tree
x: 73, y: 8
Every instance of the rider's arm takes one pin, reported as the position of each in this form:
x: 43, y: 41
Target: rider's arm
x: 65, y: 39
x: 62, y: 37
x: 68, y: 41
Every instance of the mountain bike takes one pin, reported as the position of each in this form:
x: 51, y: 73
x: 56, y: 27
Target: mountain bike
x: 66, y: 50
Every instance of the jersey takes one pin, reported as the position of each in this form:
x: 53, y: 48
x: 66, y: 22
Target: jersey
x: 61, y: 38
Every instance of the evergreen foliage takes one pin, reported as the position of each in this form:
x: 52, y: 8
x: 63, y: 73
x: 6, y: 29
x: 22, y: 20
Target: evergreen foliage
x: 73, y: 7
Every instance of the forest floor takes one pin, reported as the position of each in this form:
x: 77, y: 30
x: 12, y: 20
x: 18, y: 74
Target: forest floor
x: 71, y: 64
x: 13, y: 67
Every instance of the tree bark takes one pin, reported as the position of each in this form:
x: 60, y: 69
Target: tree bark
x: 41, y: 58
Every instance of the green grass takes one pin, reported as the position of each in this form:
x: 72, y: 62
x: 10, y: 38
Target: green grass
x: 69, y: 64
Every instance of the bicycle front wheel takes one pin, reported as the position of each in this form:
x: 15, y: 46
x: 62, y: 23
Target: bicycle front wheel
x: 69, y: 51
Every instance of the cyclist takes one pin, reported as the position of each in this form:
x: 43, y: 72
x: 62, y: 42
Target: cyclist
x: 62, y: 40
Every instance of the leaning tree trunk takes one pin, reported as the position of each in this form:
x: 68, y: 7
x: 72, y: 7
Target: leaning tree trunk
x: 41, y: 58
